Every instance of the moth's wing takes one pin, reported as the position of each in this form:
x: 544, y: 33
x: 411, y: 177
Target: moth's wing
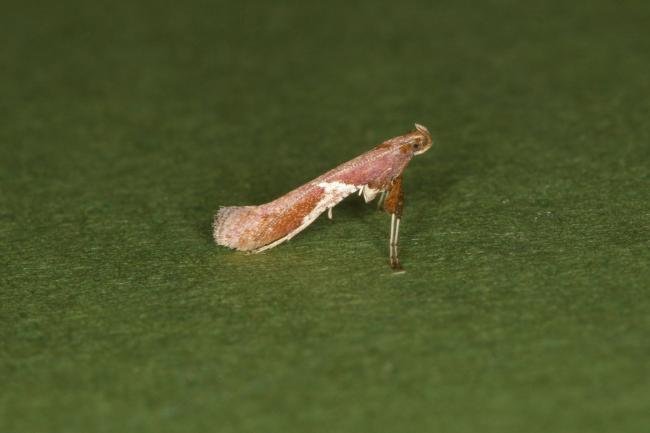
x: 329, y: 194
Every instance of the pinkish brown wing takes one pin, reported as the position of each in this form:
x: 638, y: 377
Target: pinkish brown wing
x: 258, y: 228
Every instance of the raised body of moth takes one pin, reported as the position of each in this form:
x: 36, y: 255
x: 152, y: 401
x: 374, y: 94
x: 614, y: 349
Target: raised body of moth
x: 376, y: 172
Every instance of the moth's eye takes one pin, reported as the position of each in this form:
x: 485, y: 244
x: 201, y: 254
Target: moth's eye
x: 416, y: 145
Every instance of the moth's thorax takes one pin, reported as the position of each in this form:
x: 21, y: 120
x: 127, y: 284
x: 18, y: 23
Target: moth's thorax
x: 379, y: 166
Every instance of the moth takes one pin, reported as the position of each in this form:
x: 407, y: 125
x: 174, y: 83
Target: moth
x: 377, y: 172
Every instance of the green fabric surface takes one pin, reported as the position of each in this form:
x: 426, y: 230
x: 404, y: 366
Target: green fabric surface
x: 526, y: 232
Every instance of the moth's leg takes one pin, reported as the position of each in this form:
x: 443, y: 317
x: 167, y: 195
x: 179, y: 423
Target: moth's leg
x: 394, y: 204
x: 392, y: 245
x: 329, y: 213
x: 380, y: 200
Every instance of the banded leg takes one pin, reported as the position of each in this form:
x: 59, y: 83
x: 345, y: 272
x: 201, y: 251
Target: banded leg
x: 394, y: 204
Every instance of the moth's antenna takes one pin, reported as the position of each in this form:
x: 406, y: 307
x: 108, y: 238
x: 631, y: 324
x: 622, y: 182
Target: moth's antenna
x: 423, y: 129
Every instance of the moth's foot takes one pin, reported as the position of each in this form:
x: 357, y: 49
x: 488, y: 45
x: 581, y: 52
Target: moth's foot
x: 396, y: 266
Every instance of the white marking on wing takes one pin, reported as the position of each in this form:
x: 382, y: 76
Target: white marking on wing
x: 369, y: 194
x: 333, y: 193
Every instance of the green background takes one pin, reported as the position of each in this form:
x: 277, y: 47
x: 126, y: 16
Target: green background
x: 525, y: 304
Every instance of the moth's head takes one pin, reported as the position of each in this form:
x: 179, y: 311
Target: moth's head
x: 420, y: 140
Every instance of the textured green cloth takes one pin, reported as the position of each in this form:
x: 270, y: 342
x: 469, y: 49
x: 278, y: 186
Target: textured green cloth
x: 525, y: 306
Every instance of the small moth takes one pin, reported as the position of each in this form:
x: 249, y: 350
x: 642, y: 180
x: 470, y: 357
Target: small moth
x: 376, y: 172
